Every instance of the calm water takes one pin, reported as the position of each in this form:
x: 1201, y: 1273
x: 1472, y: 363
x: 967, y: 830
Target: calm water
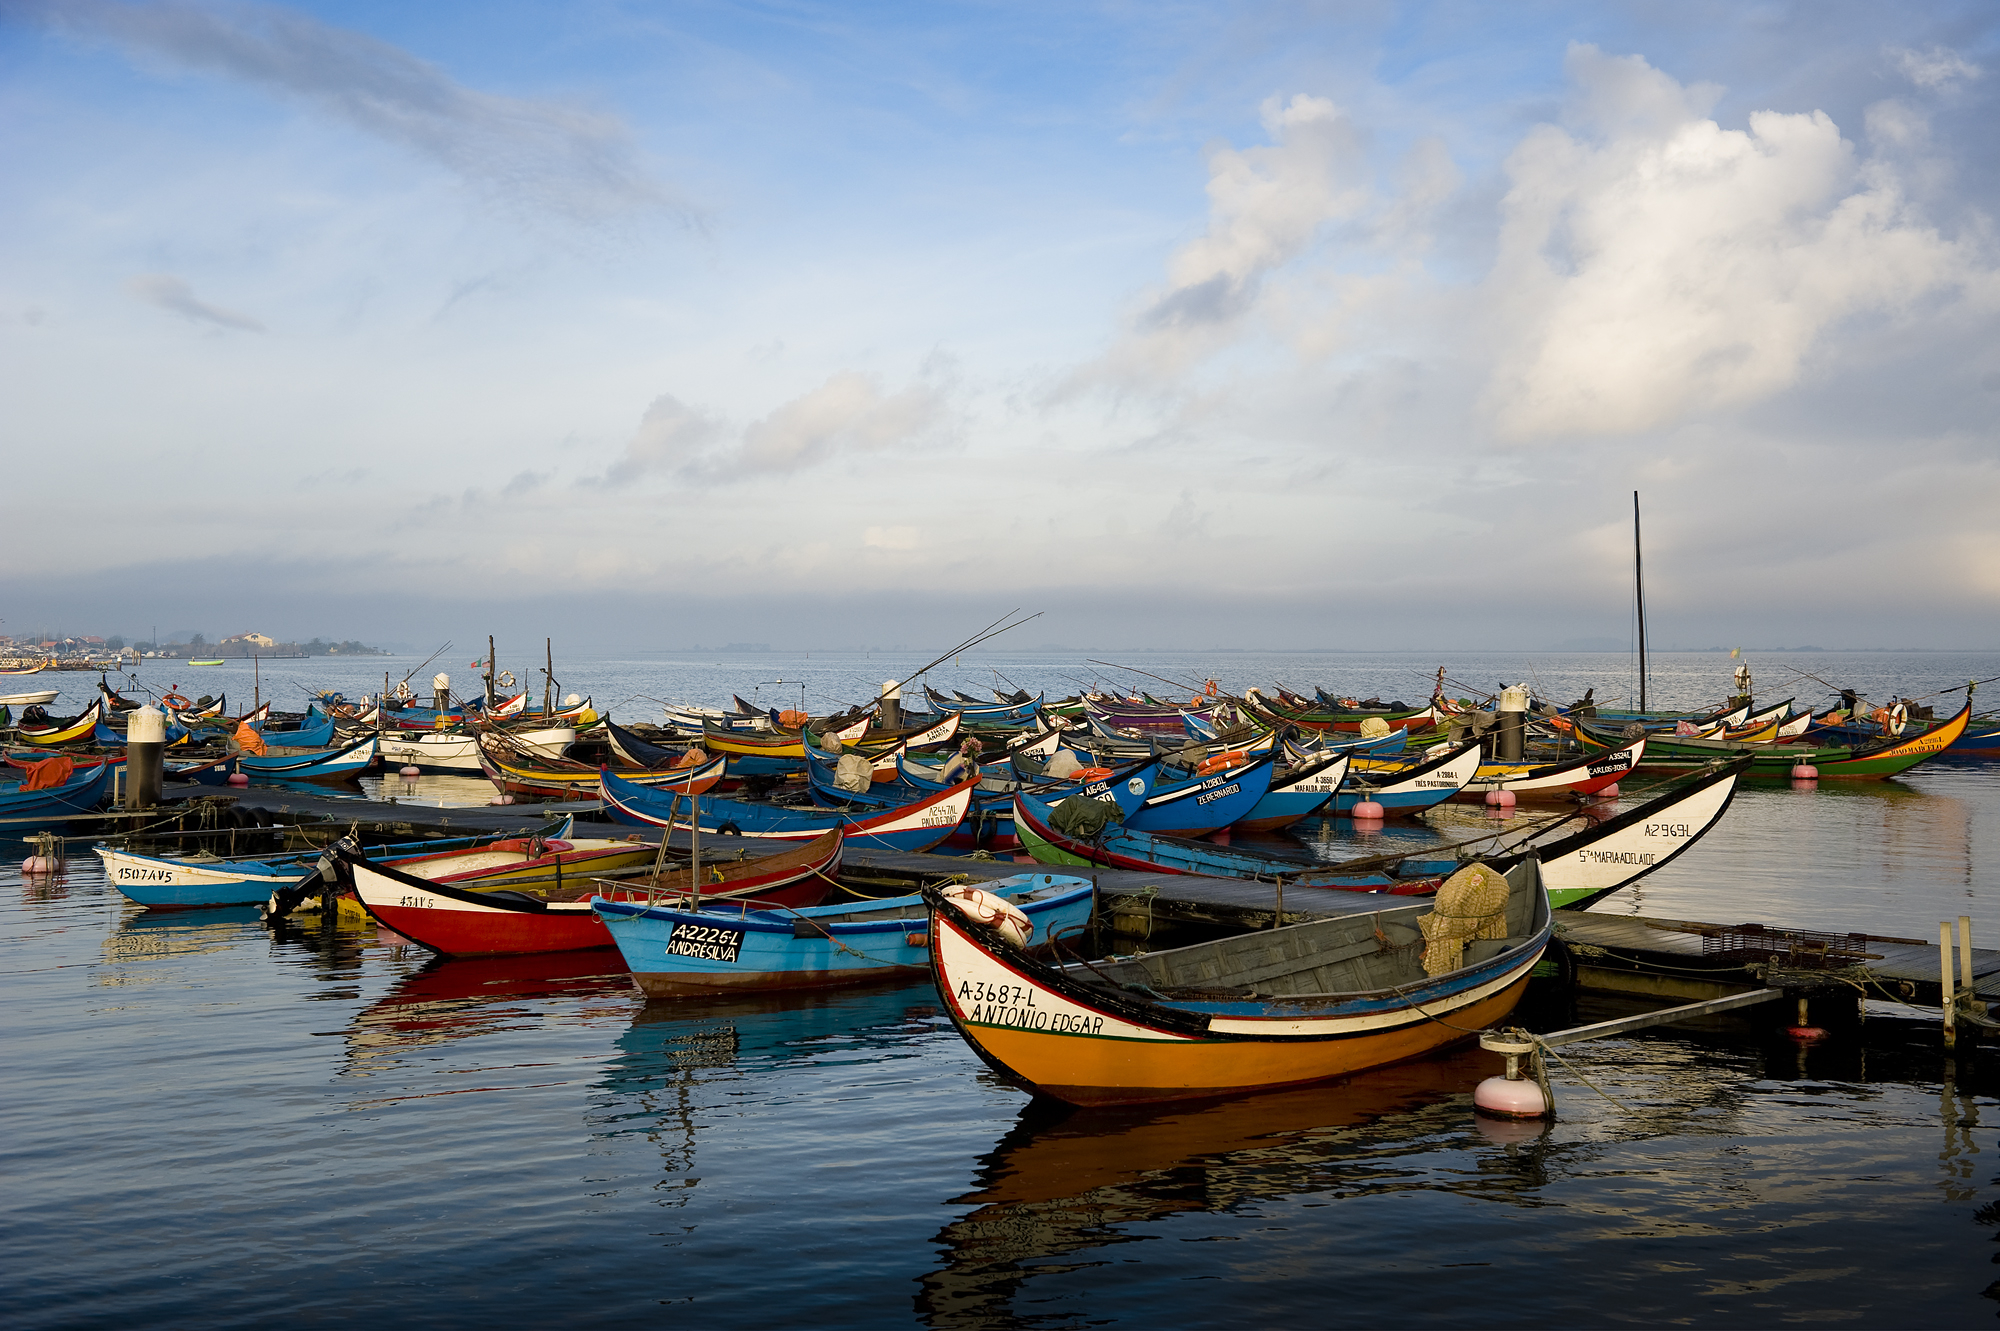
x: 206, y: 1124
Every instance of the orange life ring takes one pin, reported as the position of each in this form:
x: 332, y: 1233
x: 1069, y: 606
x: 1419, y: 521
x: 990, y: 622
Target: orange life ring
x: 1215, y: 762
x: 180, y: 703
x: 1090, y: 773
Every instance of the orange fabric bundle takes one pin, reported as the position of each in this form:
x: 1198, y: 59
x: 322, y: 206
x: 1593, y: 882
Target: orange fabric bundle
x: 793, y: 719
x: 1090, y: 773
x: 49, y: 773
x: 249, y: 740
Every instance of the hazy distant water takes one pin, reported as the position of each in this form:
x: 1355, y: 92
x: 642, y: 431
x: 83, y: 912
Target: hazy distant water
x: 202, y: 1124
x: 632, y: 687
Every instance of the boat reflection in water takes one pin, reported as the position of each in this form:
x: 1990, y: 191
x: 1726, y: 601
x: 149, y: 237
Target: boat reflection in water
x: 457, y: 998
x: 1064, y: 1182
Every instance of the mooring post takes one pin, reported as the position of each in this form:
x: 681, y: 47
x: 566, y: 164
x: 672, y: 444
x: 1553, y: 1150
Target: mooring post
x: 145, y: 757
x: 1513, y: 721
x: 1944, y: 983
x: 1965, y: 954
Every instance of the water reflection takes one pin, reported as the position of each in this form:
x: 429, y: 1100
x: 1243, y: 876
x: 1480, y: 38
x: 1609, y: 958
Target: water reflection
x: 1064, y: 1183
x: 456, y: 999
x: 146, y: 937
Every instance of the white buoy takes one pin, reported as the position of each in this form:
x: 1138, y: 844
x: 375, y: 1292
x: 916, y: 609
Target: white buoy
x: 1512, y: 1095
x: 238, y: 779
x: 1368, y: 809
x: 1506, y: 1097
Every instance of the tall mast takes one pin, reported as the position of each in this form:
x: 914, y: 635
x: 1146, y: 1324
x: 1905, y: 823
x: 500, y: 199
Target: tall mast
x: 1639, y: 586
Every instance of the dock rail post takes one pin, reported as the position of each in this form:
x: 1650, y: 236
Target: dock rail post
x: 1947, y: 999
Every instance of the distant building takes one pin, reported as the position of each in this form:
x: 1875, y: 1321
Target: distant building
x: 251, y: 640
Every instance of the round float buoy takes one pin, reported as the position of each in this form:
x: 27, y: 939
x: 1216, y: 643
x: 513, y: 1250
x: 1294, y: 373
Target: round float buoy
x: 37, y: 864
x: 1492, y: 797
x: 1368, y: 810
x: 1806, y: 1033
x: 1510, y: 1097
x: 501, y: 799
x: 411, y: 773
x: 1503, y: 798
x: 238, y: 779
x: 1610, y: 792
x: 1805, y: 772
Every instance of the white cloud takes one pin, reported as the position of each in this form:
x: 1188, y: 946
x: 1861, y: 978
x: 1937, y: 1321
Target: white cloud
x: 1267, y: 206
x: 890, y: 538
x: 1659, y: 264
x: 173, y: 293
x: 543, y: 156
x: 848, y: 415
x: 1934, y: 68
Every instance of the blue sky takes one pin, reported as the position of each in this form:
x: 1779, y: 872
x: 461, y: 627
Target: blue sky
x: 1291, y: 325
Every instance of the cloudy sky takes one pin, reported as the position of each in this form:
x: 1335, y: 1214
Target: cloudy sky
x: 1288, y: 325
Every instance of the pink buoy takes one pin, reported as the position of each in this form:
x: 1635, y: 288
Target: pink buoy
x: 501, y: 799
x: 1510, y: 1097
x: 1492, y: 797
x: 238, y: 779
x: 1806, y: 1034
x: 1805, y: 772
x: 1504, y: 798
x: 1610, y: 792
x: 1368, y: 809
x: 37, y: 864
x: 411, y: 773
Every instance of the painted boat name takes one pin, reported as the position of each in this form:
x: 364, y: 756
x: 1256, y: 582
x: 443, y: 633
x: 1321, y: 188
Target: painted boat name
x: 704, y: 942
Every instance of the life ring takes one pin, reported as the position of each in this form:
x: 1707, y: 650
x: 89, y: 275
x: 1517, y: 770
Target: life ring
x: 1217, y: 761
x: 505, y: 679
x: 180, y: 702
x: 1899, y: 715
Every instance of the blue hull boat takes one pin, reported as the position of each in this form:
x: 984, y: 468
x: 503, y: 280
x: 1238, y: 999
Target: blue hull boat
x: 326, y: 765
x: 82, y: 793
x: 672, y: 953
x: 916, y: 826
x: 1298, y: 793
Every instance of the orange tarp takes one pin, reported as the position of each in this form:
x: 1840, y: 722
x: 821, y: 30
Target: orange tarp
x: 250, y: 740
x: 49, y: 773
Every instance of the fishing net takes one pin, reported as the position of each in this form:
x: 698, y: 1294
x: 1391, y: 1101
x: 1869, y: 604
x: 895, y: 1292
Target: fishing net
x: 1374, y: 728
x: 1470, y: 904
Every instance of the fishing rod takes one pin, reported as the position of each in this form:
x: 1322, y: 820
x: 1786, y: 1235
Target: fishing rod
x: 1177, y: 683
x: 986, y: 634
x: 427, y: 660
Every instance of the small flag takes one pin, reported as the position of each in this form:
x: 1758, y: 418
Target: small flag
x: 1735, y: 652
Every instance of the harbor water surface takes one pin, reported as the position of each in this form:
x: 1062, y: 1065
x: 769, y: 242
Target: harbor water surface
x: 210, y: 1123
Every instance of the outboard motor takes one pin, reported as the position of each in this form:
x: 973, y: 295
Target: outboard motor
x: 322, y: 881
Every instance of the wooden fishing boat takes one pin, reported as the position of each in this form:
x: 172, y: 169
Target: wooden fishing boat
x: 1117, y: 847
x: 326, y: 767
x: 32, y: 699
x: 456, y: 921
x: 1272, y: 712
x: 782, y: 744
x: 916, y: 826
x: 1585, y: 867
x: 215, y: 662
x: 674, y: 952
x: 1297, y: 792
x: 1577, y: 776
x: 1407, y: 789
x: 78, y: 729
x: 568, y: 780
x: 1874, y: 762
x: 198, y: 881
x: 985, y: 714
x: 1278, y: 1007
x: 55, y: 787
